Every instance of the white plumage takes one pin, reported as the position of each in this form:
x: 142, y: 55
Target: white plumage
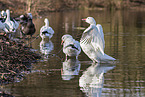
x: 10, y: 24
x: 71, y: 47
x: 3, y: 14
x: 92, y: 42
x: 100, y: 29
x: 2, y: 26
x: 46, y: 31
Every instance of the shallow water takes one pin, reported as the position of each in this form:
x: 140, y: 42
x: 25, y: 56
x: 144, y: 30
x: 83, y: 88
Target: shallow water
x: 54, y: 77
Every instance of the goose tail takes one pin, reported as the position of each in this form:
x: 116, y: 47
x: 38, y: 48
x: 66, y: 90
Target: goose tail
x: 107, y: 57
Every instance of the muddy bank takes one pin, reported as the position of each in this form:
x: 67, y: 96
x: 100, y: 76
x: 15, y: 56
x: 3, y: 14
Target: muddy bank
x: 15, y: 57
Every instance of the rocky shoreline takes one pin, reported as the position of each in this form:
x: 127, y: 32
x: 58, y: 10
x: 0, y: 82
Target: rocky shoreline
x: 15, y: 57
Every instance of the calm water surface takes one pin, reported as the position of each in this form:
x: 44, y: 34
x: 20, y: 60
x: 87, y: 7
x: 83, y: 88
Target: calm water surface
x: 54, y: 76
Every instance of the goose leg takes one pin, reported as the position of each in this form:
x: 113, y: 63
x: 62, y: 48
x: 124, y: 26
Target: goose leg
x: 76, y: 57
x: 66, y: 57
x: 9, y: 35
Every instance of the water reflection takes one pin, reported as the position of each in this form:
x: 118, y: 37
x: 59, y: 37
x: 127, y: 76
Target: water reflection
x: 46, y: 46
x: 70, y: 68
x: 91, y: 82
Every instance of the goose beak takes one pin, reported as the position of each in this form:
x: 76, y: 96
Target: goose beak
x: 62, y: 42
x: 84, y: 19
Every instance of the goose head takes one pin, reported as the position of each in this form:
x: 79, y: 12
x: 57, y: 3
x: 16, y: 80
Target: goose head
x: 3, y: 14
x: 64, y: 37
x: 46, y: 22
x: 22, y: 16
x: 90, y: 20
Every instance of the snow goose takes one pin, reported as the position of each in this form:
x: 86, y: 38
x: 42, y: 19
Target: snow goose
x: 10, y: 27
x: 71, y: 47
x: 93, y: 44
x: 46, y: 31
x: 28, y: 27
x: 4, y: 16
x: 92, y: 79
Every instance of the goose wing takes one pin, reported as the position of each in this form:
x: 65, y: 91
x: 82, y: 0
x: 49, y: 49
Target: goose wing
x: 92, y: 36
x: 97, y: 41
x: 100, y: 29
x: 50, y: 30
x: 9, y: 26
x: 43, y: 28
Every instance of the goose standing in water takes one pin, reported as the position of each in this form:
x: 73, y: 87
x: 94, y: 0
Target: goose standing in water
x: 46, y: 31
x: 27, y: 26
x: 71, y: 47
x: 92, y: 42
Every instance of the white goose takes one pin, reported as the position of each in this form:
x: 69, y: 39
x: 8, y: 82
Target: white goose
x: 4, y: 15
x: 10, y: 26
x: 46, y: 31
x: 71, y: 47
x: 92, y: 42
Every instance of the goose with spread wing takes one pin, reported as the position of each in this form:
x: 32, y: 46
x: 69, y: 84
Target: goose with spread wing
x: 92, y: 42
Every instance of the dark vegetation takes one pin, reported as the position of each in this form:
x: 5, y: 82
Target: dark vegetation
x: 15, y: 57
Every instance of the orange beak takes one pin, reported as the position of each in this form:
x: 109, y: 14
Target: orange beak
x: 84, y: 19
x: 62, y: 42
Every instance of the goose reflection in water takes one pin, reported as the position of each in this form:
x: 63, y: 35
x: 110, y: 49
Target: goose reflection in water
x: 46, y: 46
x: 91, y: 82
x: 71, y: 67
